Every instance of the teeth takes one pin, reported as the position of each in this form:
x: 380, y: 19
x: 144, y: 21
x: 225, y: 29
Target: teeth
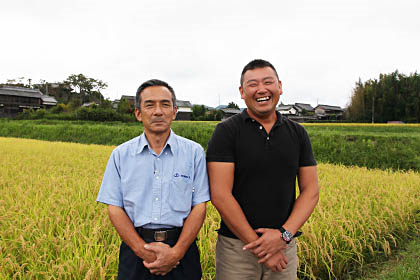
x: 263, y: 99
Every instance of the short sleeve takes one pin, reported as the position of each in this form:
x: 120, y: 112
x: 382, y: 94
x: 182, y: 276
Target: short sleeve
x: 221, y: 145
x: 306, y: 157
x: 110, y: 191
x: 200, y: 181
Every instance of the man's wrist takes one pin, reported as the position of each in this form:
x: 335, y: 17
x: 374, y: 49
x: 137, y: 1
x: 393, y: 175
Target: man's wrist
x: 286, y: 235
x: 178, y: 252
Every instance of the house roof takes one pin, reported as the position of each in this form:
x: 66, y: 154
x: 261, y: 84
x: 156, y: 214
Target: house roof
x: 128, y: 97
x: 329, y: 107
x: 285, y: 107
x: 182, y: 103
x: 304, y: 106
x: 28, y: 92
x: 19, y: 91
x: 230, y: 111
x: 48, y: 100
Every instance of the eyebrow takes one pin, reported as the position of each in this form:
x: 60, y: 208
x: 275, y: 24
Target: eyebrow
x: 264, y: 79
x: 156, y: 101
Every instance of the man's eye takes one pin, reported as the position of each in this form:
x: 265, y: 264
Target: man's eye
x: 252, y: 85
x: 268, y: 82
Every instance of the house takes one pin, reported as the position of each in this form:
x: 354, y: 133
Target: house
x: 184, y: 110
x: 131, y: 99
x: 328, y: 112
x: 115, y: 103
x: 14, y: 100
x: 288, y: 110
x: 304, y: 109
x: 229, y: 112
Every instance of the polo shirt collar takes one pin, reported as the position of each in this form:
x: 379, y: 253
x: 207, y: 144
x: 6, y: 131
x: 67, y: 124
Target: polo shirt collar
x: 245, y: 117
x: 171, y: 143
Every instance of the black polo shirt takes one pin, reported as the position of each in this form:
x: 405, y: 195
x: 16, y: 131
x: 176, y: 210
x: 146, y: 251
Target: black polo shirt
x: 266, y: 166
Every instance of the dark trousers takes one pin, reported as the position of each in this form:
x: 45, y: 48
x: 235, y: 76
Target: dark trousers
x: 131, y: 266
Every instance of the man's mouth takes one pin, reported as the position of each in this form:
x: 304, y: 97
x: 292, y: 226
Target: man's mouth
x: 265, y: 98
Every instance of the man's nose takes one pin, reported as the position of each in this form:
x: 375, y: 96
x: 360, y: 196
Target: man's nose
x: 261, y: 88
x: 158, y: 110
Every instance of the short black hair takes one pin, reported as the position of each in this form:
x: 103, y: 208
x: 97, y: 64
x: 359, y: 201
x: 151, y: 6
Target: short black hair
x: 153, y: 83
x: 257, y: 63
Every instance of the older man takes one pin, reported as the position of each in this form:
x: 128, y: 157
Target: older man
x: 156, y: 188
x: 253, y: 161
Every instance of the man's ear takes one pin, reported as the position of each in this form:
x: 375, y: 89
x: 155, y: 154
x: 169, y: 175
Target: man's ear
x: 175, y: 112
x: 281, y: 87
x: 137, y: 113
x: 241, y: 92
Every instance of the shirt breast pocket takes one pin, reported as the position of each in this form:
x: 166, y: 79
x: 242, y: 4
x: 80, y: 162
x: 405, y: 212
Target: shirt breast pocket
x: 180, y: 194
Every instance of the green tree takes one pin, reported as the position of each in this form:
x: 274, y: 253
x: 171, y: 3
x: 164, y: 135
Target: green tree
x: 88, y: 89
x: 124, y: 107
x: 233, y: 105
x: 394, y: 96
x: 198, y: 112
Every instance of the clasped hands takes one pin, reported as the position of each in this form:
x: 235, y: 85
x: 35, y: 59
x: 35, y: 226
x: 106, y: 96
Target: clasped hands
x: 268, y: 248
x: 160, y: 258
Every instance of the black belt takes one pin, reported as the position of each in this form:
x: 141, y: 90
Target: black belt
x: 159, y: 234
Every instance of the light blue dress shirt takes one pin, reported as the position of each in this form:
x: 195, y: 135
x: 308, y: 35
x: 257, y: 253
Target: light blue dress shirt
x: 156, y: 191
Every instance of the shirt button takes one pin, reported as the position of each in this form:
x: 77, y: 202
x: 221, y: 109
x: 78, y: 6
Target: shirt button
x: 157, y: 177
x: 166, y: 153
x: 260, y: 127
x: 268, y: 138
x: 155, y: 219
x: 156, y: 198
x: 158, y: 158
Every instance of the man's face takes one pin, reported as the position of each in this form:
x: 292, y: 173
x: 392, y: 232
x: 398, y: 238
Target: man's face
x: 156, y: 109
x: 261, y: 91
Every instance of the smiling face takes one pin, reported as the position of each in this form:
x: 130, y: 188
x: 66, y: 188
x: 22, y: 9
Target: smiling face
x: 156, y: 110
x: 261, y: 90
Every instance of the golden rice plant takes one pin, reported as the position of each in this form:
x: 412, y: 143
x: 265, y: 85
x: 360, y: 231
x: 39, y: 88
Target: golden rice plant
x: 52, y: 228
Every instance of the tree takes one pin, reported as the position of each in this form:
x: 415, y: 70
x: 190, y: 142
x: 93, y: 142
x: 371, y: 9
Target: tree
x: 233, y: 105
x: 124, y: 107
x: 198, y: 112
x: 88, y: 89
x: 394, y: 96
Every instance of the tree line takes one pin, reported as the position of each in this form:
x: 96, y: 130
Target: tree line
x: 392, y: 97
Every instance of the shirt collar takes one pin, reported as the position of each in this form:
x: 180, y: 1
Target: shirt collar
x: 171, y: 143
x: 245, y: 116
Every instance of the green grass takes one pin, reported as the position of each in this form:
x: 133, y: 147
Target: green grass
x: 372, y: 146
x: 404, y: 265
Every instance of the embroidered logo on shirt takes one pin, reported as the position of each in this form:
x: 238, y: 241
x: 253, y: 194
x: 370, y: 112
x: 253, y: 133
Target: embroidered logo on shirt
x: 181, y: 175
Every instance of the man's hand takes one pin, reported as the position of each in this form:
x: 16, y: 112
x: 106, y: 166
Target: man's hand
x: 267, y: 245
x: 147, y: 255
x: 167, y: 258
x: 277, y: 262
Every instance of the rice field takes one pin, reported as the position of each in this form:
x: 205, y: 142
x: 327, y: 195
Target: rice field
x: 52, y: 228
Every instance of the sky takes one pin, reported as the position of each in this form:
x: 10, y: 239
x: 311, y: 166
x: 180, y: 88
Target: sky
x: 319, y: 48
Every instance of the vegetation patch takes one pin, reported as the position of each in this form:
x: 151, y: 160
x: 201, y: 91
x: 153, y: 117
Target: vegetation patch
x: 373, y: 146
x: 51, y: 226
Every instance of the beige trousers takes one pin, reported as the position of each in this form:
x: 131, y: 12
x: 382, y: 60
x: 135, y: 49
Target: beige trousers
x: 232, y: 263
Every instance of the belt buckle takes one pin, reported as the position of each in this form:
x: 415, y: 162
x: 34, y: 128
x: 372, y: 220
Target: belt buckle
x: 160, y: 235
